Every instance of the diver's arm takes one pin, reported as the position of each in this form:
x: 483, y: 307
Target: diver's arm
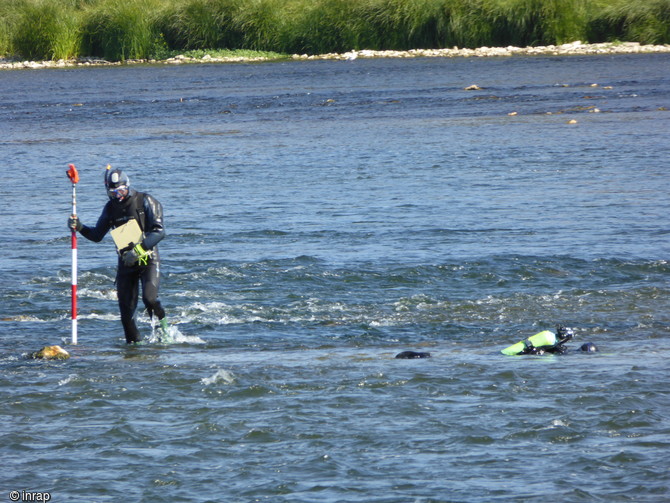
x: 154, y: 232
x: 101, y: 228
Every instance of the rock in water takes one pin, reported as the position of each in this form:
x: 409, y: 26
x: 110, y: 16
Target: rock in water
x: 51, y: 353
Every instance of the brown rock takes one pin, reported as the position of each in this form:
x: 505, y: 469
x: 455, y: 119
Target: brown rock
x: 51, y: 353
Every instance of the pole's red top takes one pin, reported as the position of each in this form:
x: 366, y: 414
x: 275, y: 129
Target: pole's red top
x: 73, y: 174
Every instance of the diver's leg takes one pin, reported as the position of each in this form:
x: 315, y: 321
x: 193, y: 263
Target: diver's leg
x: 150, y: 285
x: 127, y: 289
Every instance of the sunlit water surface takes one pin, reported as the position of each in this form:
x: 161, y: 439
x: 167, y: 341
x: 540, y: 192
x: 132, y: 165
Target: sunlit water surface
x: 322, y: 217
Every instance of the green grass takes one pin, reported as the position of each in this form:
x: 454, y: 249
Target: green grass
x: 224, y: 54
x: 644, y: 21
x: 321, y: 27
x: 143, y: 29
x: 538, y: 22
x: 121, y: 29
x: 199, y: 24
x: 44, y: 29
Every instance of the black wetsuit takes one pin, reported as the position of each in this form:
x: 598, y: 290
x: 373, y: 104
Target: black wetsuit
x: 149, y: 214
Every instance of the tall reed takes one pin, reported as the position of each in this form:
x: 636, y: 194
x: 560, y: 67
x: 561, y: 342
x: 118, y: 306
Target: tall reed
x: 325, y: 26
x: 644, y: 21
x: 122, y: 29
x: 199, y: 24
x: 138, y: 29
x: 467, y: 24
x: 537, y: 22
x: 263, y: 24
x: 46, y: 29
x: 7, y: 28
x: 398, y: 24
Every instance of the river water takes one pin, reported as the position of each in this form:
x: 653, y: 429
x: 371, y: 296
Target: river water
x: 322, y: 217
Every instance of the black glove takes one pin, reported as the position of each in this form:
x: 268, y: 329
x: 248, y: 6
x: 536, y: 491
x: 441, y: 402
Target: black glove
x: 73, y: 223
x: 130, y: 257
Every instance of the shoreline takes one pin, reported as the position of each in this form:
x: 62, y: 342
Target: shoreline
x: 576, y: 48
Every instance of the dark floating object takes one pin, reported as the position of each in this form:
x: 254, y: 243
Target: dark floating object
x: 589, y: 347
x: 408, y: 355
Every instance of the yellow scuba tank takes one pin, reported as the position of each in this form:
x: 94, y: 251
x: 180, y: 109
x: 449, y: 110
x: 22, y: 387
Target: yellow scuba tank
x: 546, y: 338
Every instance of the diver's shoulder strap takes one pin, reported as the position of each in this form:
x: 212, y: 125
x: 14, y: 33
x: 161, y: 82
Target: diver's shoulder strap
x: 135, y: 210
x: 139, y: 210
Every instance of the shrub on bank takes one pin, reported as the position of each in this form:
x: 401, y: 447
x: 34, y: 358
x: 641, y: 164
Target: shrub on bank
x: 140, y: 29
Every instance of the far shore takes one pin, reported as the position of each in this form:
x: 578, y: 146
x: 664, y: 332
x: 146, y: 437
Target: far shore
x: 571, y: 49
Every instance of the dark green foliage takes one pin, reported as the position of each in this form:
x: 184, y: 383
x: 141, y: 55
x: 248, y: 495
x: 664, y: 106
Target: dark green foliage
x: 121, y: 29
x: 538, y: 22
x: 644, y: 21
x: 45, y: 30
x: 200, y: 24
x: 327, y: 26
x: 140, y: 29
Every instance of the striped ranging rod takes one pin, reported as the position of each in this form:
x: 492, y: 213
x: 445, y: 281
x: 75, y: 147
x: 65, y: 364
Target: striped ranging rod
x: 74, y: 178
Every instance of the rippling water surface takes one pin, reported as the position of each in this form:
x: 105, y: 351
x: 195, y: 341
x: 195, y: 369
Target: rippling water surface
x: 321, y: 218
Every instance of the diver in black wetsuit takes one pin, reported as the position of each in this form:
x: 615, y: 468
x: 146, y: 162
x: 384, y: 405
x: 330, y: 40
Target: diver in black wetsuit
x: 563, y: 335
x: 138, y: 262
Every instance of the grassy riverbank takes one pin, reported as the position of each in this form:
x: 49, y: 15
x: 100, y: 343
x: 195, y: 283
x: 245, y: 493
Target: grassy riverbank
x: 119, y: 30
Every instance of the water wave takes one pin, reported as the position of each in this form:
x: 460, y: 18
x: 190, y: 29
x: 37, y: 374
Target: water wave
x: 219, y: 377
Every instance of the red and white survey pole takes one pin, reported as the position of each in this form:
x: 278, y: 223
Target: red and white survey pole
x: 74, y: 178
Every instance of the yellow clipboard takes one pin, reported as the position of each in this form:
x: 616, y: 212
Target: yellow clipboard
x: 126, y: 234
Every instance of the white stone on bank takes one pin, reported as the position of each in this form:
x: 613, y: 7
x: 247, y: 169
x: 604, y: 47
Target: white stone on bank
x: 573, y: 48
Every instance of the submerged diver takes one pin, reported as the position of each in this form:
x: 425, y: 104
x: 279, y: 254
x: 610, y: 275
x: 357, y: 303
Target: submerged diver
x: 139, y: 261
x: 547, y: 342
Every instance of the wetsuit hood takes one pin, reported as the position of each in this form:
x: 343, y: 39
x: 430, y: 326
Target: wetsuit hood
x: 117, y: 184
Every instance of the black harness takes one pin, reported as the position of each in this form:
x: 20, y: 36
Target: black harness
x: 120, y: 214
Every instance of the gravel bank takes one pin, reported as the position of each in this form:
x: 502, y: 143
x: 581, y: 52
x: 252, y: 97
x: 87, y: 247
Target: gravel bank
x: 571, y: 49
